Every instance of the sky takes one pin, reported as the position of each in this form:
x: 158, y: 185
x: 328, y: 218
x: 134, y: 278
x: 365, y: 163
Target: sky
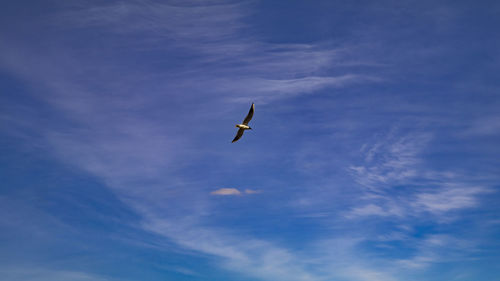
x: 374, y: 153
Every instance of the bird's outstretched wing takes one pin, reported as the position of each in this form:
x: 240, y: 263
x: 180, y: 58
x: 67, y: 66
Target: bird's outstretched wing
x: 249, y: 115
x: 238, y: 135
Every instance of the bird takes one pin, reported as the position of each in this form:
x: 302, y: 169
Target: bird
x: 244, y: 126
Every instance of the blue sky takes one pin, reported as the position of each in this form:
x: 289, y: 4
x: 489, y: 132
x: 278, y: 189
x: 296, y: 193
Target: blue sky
x: 374, y: 152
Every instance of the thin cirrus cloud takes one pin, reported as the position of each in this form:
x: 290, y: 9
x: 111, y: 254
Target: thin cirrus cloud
x: 438, y: 203
x: 213, y: 33
x: 253, y: 257
x: 323, y: 259
x: 437, y: 248
x: 396, y: 159
x: 449, y: 198
x: 392, y: 158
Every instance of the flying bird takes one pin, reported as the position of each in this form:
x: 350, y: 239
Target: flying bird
x: 244, y: 126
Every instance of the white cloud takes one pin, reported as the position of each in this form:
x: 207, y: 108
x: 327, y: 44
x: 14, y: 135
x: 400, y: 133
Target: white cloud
x: 342, y: 259
x: 253, y: 257
x: 366, y: 274
x: 440, y: 203
x: 374, y: 210
x: 233, y: 191
x: 268, y: 90
x: 446, y: 199
x: 215, y: 33
x: 437, y: 248
x: 394, y: 162
x: 393, y: 159
x: 226, y: 191
x: 188, y: 21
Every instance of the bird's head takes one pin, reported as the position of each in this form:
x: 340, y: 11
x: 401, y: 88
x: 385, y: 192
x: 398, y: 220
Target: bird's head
x: 249, y: 128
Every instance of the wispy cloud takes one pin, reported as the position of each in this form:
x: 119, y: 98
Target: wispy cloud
x: 440, y: 202
x: 394, y: 158
x: 399, y: 188
x: 189, y: 20
x: 342, y: 259
x: 253, y: 257
x: 217, y: 43
x: 437, y: 248
x: 448, y: 198
x: 375, y: 210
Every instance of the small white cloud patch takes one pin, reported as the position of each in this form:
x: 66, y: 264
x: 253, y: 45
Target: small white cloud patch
x: 226, y: 191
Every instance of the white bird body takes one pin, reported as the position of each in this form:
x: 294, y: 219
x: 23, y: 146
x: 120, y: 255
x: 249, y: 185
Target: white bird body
x: 241, y: 126
x: 244, y: 125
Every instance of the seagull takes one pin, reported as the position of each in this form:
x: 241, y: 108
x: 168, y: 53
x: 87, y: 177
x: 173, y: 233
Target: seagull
x: 244, y: 126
